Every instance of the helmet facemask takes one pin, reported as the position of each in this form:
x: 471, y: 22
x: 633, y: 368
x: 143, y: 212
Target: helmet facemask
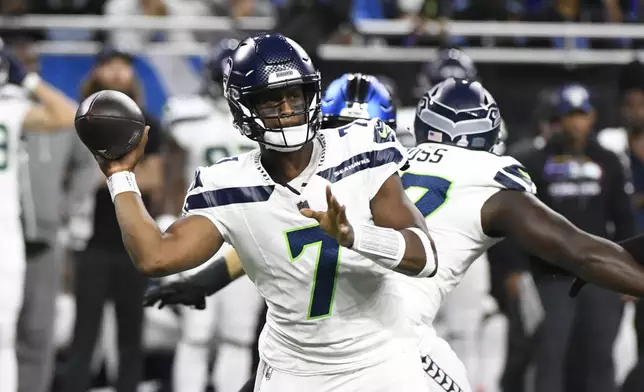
x: 282, y: 117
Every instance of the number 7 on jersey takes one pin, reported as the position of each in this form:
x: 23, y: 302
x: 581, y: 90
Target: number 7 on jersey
x: 327, y: 262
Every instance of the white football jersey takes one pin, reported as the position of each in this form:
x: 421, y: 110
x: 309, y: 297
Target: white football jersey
x: 449, y: 185
x: 204, y: 129
x: 13, y: 109
x: 329, y: 309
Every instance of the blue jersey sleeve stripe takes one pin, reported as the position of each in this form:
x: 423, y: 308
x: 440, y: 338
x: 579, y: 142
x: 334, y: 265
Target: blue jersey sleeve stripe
x: 508, y: 182
x: 360, y: 162
x: 228, y: 196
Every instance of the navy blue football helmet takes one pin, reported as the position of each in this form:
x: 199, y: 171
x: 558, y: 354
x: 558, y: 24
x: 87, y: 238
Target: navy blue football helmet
x: 459, y: 112
x: 357, y: 96
x: 213, y: 74
x: 260, y: 69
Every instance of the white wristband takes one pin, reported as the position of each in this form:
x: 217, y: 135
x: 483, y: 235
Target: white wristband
x: 31, y: 81
x: 381, y: 245
x: 122, y: 182
x: 431, y: 262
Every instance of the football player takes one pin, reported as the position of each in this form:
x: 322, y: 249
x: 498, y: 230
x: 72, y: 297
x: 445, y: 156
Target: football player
x: 54, y: 111
x: 320, y: 221
x: 201, y: 133
x: 474, y: 198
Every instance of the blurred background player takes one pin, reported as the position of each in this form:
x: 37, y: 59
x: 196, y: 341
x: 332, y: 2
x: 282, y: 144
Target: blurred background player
x: 357, y: 96
x: 61, y: 176
x: 586, y: 183
x: 103, y: 270
x: 26, y: 102
x: 200, y: 133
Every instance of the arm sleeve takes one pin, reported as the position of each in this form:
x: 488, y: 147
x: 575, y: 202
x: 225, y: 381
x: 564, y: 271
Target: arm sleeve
x: 387, y: 156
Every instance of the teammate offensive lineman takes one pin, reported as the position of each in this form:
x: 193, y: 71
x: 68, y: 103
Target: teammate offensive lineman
x: 334, y: 321
x: 472, y: 199
x: 54, y: 111
x: 200, y: 133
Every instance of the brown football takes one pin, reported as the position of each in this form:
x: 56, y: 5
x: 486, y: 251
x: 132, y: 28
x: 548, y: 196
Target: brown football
x: 109, y: 123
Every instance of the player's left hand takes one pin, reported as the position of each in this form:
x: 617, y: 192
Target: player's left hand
x: 125, y: 163
x: 333, y: 221
x: 180, y: 292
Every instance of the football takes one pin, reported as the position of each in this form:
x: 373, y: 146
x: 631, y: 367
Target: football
x: 109, y: 123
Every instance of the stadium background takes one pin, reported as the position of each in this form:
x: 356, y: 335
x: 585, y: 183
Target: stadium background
x: 513, y: 85
x: 514, y: 79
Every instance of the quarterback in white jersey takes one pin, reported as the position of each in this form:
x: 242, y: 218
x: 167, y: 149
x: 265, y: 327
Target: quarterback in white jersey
x: 472, y: 198
x: 17, y: 112
x: 335, y: 317
x: 200, y: 132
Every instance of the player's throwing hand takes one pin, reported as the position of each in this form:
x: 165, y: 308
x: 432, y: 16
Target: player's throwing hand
x: 127, y: 162
x: 334, y: 220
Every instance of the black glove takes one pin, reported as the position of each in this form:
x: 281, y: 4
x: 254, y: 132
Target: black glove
x: 9, y: 63
x: 181, y: 292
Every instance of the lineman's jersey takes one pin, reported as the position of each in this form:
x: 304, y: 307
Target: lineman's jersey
x: 13, y: 109
x: 449, y: 185
x: 204, y: 129
x: 329, y: 309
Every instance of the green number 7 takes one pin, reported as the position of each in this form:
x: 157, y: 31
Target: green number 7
x: 326, y: 265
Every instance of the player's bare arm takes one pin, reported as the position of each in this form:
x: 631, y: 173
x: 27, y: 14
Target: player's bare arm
x: 391, y: 209
x: 54, y: 110
x: 187, y: 243
x: 550, y: 236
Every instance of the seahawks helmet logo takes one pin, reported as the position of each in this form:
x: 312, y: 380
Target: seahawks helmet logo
x: 495, y: 117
